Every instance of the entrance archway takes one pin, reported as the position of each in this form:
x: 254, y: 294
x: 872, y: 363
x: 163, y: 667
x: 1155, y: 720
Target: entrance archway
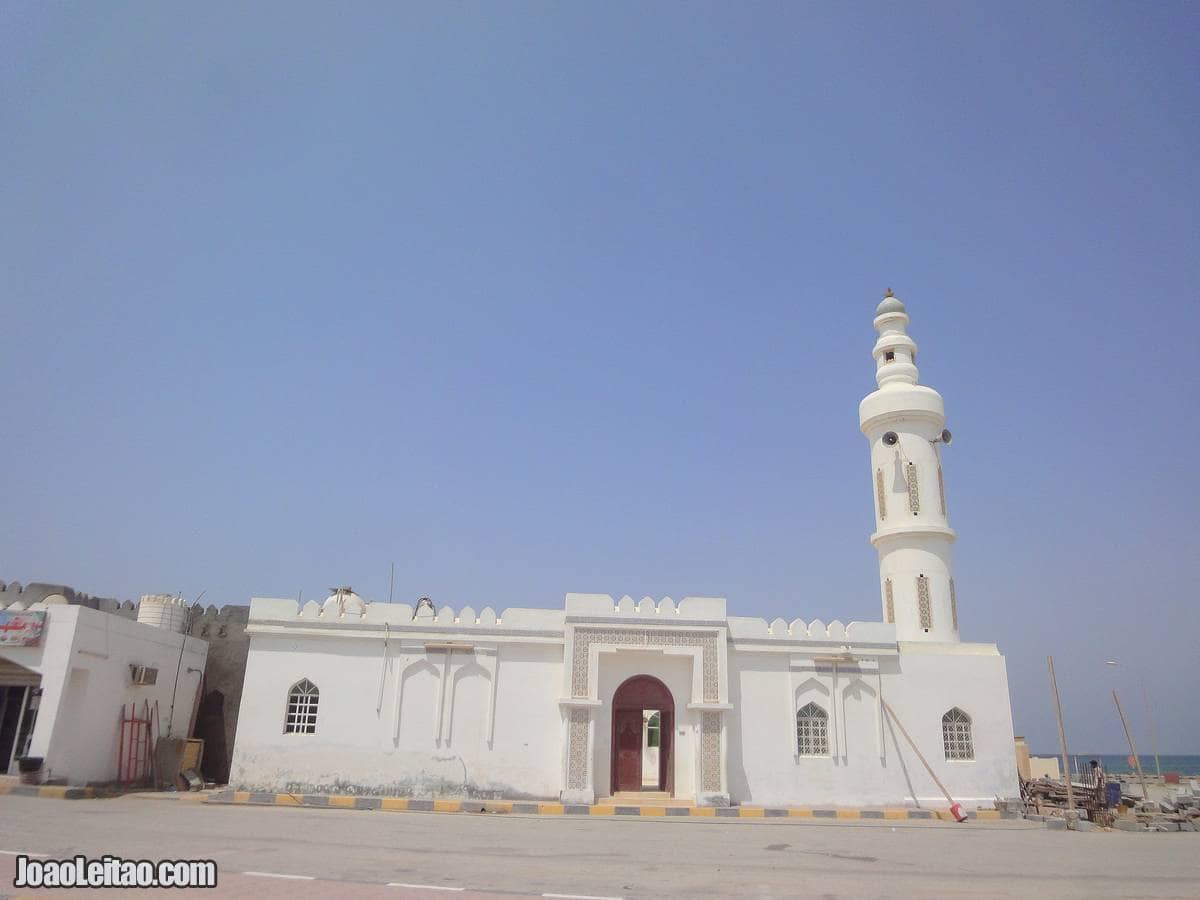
x: 632, y: 699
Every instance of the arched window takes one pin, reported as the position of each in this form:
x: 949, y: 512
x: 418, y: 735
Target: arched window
x: 956, y: 735
x: 301, y: 708
x: 812, y: 731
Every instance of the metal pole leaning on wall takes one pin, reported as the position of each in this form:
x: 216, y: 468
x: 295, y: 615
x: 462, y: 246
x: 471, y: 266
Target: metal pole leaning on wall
x: 955, y: 808
x: 1137, y: 763
x: 1062, y: 735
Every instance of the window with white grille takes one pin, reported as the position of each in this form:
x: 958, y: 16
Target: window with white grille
x: 891, y: 601
x: 880, y: 496
x: 301, y: 708
x: 953, y: 605
x: 914, y: 495
x: 812, y: 731
x: 956, y: 735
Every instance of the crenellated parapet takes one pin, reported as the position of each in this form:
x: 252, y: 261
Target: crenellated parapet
x: 212, y: 623
x: 778, y: 631
x: 666, y: 610
x: 373, y: 616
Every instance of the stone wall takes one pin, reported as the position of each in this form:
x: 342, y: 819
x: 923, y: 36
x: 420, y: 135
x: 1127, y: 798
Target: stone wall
x: 228, y: 647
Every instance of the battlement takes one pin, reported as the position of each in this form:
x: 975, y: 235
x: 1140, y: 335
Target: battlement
x: 754, y: 629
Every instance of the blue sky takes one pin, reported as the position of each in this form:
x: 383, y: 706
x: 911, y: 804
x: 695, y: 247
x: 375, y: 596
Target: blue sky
x: 530, y: 299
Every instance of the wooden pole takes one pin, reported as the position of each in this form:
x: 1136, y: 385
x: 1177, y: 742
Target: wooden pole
x: 1137, y: 763
x: 1062, y: 734
x: 920, y: 756
x: 1153, y: 731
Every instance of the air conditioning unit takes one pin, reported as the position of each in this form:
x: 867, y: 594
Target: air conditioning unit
x: 143, y: 674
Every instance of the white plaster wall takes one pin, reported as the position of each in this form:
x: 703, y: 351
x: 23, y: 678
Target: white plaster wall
x: 675, y: 671
x: 921, y: 684
x: 84, y: 659
x: 356, y: 748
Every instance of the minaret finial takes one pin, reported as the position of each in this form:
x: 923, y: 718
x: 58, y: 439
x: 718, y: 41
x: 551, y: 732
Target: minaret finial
x: 888, y: 293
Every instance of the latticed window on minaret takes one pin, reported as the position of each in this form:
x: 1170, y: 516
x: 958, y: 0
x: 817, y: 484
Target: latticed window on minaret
x: 914, y: 498
x: 942, y: 490
x: 953, y: 605
x: 924, y: 605
x: 889, y: 602
x: 880, y: 496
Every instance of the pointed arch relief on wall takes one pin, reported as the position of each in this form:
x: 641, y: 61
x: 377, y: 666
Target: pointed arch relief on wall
x: 406, y: 673
x: 469, y: 670
x: 858, y: 688
x: 414, y: 659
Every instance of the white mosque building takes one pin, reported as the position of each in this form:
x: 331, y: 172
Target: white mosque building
x: 680, y: 700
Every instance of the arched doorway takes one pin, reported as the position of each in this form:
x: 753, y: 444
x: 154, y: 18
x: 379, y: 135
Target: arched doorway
x: 633, y: 699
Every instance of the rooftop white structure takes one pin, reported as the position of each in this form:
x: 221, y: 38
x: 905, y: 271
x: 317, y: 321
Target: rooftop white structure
x: 376, y: 698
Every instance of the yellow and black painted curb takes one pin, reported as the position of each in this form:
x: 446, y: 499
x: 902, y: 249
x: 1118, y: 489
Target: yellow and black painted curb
x: 538, y: 808
x: 514, y: 807
x: 53, y: 791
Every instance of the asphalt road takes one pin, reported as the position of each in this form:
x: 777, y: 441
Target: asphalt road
x: 350, y: 853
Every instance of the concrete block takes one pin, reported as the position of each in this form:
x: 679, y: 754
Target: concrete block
x: 1056, y: 824
x: 1128, y: 825
x: 1084, y: 825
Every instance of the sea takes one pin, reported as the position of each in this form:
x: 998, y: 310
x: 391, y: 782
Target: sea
x: 1117, y: 764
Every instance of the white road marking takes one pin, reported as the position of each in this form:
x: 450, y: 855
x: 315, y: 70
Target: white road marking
x: 581, y: 897
x: 25, y: 853
x: 280, y: 875
x: 424, y: 887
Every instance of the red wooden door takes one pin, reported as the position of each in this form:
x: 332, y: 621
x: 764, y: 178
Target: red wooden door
x: 666, y: 771
x: 628, y: 726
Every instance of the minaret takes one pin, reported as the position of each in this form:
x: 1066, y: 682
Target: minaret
x: 905, y: 424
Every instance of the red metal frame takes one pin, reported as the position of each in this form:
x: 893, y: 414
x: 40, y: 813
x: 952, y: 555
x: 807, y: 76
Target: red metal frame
x: 135, y: 752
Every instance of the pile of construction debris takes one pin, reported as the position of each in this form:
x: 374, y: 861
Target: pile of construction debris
x: 1180, y: 813
x: 1045, y: 798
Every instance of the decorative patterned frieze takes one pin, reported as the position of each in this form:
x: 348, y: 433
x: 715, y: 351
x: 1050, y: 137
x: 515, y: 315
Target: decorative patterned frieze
x: 645, y: 637
x: 953, y: 605
x: 880, y: 496
x: 924, y: 605
x: 577, y: 749
x: 710, y: 752
x: 914, y: 497
x: 889, y: 600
